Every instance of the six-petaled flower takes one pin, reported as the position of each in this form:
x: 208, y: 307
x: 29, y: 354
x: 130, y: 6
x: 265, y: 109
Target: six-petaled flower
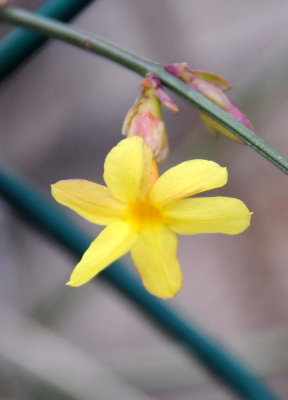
x: 144, y: 216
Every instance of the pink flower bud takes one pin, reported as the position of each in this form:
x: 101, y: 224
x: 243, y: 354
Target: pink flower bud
x: 145, y: 118
x: 211, y: 86
x: 152, y: 82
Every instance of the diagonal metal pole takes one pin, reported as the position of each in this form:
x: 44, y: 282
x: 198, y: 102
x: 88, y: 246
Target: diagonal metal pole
x: 20, y: 44
x: 46, y: 217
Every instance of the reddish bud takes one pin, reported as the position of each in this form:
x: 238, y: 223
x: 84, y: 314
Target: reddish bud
x: 211, y: 86
x: 144, y: 118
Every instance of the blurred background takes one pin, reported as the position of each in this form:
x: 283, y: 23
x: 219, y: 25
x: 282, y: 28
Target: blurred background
x: 59, y: 116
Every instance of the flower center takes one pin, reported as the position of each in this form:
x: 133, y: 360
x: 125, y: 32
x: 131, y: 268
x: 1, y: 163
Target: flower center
x: 144, y: 213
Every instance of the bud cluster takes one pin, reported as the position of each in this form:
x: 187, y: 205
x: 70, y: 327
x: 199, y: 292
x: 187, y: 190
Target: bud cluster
x: 145, y: 117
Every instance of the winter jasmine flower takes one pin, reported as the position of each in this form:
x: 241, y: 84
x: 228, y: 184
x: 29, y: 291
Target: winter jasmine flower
x: 144, y: 214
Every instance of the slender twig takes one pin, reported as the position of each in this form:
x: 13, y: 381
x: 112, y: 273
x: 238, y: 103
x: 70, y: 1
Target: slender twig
x: 94, y: 44
x: 19, y: 44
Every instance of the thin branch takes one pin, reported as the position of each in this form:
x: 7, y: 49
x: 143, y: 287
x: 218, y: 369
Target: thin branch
x: 17, y: 46
x: 94, y: 44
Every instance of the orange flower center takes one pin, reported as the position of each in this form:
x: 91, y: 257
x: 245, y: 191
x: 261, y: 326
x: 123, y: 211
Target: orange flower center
x: 143, y: 213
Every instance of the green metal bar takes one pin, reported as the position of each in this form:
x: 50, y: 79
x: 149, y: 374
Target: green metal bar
x: 20, y: 44
x: 47, y: 217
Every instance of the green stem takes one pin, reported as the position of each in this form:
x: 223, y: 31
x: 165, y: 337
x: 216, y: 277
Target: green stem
x: 18, y: 45
x: 94, y: 44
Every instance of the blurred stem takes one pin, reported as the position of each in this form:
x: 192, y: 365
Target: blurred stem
x: 18, y: 45
x: 94, y: 44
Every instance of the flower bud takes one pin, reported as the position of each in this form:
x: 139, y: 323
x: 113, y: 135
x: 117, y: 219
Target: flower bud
x: 145, y: 117
x: 211, y: 86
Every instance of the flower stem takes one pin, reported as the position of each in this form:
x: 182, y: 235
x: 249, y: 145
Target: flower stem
x: 94, y: 44
x: 18, y: 45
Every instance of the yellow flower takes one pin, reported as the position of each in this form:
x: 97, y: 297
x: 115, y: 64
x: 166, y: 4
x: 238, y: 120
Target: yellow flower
x: 144, y: 215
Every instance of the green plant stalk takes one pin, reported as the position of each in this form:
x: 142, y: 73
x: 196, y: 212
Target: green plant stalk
x: 48, y: 27
x: 18, y: 45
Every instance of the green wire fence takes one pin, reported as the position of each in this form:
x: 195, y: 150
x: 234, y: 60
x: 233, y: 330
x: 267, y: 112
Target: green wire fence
x: 46, y: 217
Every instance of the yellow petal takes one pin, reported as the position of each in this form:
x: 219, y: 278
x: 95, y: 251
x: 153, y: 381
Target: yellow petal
x: 187, y: 179
x: 112, y: 243
x: 92, y: 201
x: 208, y: 215
x: 218, y: 128
x: 127, y: 169
x: 154, y: 255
